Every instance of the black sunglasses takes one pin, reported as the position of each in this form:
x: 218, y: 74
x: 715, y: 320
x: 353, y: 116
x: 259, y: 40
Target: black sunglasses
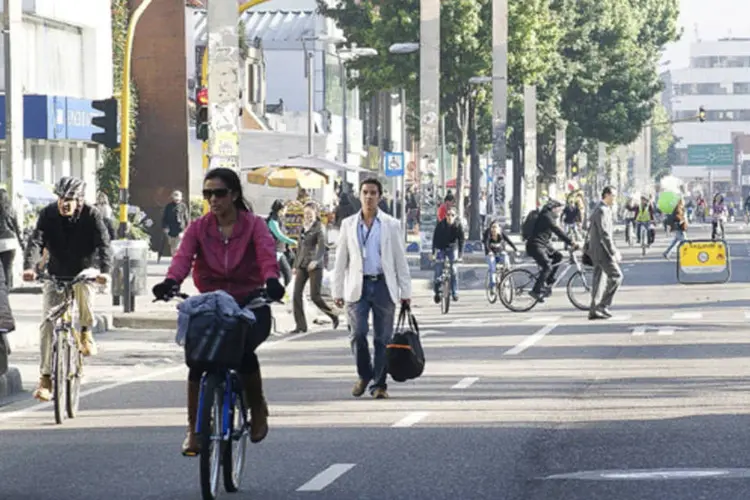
x: 219, y: 193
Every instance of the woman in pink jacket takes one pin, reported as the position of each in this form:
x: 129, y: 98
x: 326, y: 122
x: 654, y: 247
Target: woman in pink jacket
x: 229, y: 249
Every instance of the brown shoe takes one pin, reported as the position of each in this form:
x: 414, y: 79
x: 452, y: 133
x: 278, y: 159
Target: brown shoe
x: 258, y: 407
x: 191, y: 445
x: 43, y: 391
x: 380, y: 393
x: 360, y: 386
x: 88, y: 346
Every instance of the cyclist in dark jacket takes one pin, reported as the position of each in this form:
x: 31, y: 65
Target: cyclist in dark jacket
x: 539, y: 247
x: 447, y: 241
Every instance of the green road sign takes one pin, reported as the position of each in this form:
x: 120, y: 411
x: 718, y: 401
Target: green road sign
x: 711, y: 155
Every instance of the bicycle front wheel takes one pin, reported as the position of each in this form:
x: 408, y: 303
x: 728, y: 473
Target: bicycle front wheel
x: 59, y: 377
x: 74, y: 363
x: 490, y: 291
x: 446, y: 303
x: 579, y: 288
x: 211, y: 412
x: 515, y: 288
x: 233, y: 459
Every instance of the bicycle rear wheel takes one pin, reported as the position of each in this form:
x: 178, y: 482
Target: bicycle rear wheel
x: 515, y: 288
x: 74, y: 361
x: 211, y: 410
x: 233, y: 459
x: 59, y: 377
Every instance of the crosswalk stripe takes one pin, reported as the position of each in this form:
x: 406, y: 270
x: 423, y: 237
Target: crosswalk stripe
x: 687, y: 315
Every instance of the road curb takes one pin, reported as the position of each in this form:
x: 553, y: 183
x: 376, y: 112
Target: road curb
x: 10, y: 383
x: 144, y: 322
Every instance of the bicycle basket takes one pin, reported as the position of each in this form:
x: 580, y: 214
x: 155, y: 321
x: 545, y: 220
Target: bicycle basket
x: 213, y: 342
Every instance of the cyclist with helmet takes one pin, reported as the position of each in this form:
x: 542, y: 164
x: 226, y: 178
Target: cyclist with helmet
x: 76, y: 238
x: 229, y: 249
x: 539, y: 247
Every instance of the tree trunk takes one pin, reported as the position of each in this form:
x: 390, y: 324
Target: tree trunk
x: 475, y: 174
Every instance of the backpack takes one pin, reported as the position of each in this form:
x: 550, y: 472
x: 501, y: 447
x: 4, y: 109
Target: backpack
x: 529, y: 225
x: 404, y: 354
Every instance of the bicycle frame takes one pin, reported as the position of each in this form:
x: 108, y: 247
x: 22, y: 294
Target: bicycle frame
x: 572, y: 262
x: 231, y: 382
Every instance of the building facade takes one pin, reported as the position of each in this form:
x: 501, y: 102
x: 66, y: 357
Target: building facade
x: 69, y: 63
x: 717, y: 79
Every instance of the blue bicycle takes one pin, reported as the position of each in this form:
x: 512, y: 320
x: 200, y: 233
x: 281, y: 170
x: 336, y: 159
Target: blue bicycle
x: 222, y: 424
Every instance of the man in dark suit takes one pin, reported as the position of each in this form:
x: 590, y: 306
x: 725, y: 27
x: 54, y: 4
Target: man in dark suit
x: 604, y: 255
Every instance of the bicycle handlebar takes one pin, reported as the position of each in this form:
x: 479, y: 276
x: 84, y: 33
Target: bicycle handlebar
x: 65, y: 280
x: 258, y: 298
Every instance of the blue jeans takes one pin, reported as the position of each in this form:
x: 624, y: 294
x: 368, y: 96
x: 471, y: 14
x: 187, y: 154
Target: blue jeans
x: 375, y: 297
x: 439, y: 262
x: 493, y: 261
x: 679, y: 235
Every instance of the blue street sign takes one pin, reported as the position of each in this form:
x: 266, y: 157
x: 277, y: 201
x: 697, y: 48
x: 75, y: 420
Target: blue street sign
x: 394, y: 164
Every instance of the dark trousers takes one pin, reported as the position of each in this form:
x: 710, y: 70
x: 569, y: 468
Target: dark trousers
x: 285, y: 269
x: 546, y: 258
x: 6, y: 259
x: 316, y: 284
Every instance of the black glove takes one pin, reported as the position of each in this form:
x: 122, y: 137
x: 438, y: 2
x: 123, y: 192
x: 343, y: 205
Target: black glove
x: 274, y: 289
x: 166, y: 289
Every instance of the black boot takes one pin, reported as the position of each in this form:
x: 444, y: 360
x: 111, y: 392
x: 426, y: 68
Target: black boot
x: 258, y: 407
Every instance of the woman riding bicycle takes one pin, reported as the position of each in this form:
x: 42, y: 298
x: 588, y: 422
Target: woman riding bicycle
x: 494, y: 248
x: 229, y: 249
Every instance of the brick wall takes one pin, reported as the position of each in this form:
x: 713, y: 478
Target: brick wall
x: 159, y: 70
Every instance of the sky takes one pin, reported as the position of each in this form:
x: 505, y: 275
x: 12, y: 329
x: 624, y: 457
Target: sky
x: 713, y: 19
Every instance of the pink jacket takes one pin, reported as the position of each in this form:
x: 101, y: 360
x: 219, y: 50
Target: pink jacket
x: 239, y: 265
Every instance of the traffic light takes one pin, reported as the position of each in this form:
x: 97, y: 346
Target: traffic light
x: 701, y: 114
x: 574, y: 166
x: 201, y: 117
x: 109, y: 138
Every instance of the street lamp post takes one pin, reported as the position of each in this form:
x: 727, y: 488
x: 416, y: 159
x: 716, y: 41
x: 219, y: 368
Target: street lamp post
x: 347, y: 55
x: 403, y: 48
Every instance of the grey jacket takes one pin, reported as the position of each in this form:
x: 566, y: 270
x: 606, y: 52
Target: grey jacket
x: 600, y: 245
x: 312, y: 247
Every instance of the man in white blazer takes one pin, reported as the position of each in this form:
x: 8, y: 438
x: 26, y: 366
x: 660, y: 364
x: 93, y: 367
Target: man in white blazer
x: 371, y: 273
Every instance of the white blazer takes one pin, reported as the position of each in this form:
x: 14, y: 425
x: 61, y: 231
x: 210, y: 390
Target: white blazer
x: 348, y: 268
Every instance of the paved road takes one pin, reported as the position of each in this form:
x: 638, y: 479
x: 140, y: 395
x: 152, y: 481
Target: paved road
x: 511, y: 406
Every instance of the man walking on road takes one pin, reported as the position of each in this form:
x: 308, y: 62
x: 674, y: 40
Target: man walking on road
x: 371, y: 273
x: 174, y: 221
x: 601, y: 248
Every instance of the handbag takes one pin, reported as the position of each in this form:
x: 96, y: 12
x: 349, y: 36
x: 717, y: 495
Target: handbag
x: 404, y: 354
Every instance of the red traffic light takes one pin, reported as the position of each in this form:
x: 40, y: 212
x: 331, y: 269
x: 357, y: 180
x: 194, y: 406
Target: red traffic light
x: 201, y: 96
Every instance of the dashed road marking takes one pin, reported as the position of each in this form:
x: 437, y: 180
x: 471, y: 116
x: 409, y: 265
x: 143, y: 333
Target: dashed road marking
x: 529, y: 341
x: 411, y: 419
x: 465, y: 383
x: 325, y: 478
x: 687, y: 315
x: 543, y: 319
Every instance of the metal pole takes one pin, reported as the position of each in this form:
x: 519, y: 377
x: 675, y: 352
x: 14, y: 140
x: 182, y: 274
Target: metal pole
x: 429, y: 83
x: 223, y: 85
x: 403, y: 149
x: 529, y: 153
x: 344, y: 118
x: 500, y: 107
x: 125, y: 120
x: 310, y: 65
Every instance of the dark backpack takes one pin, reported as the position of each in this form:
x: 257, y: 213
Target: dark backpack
x: 529, y: 225
x: 404, y: 353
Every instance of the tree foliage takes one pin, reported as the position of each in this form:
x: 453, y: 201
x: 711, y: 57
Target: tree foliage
x: 663, y: 141
x: 108, y: 176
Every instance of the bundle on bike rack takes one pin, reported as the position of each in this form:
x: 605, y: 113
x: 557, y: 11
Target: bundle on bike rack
x: 214, y: 331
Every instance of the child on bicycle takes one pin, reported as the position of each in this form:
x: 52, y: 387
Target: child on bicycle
x: 447, y: 241
x: 494, y: 240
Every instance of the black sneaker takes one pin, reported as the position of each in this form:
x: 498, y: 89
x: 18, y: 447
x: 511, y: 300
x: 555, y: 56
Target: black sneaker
x: 436, y: 298
x: 455, y: 297
x: 538, y: 296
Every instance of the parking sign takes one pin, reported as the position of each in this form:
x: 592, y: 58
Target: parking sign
x: 394, y: 164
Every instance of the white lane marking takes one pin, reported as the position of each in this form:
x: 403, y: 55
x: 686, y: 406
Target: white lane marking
x: 543, y: 319
x: 422, y: 333
x: 411, y: 419
x: 140, y: 378
x: 325, y: 478
x: 687, y: 315
x: 747, y: 314
x: 666, y: 330
x: 465, y: 383
x: 530, y: 340
x: 468, y: 321
x: 621, y: 317
x: 639, y: 331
